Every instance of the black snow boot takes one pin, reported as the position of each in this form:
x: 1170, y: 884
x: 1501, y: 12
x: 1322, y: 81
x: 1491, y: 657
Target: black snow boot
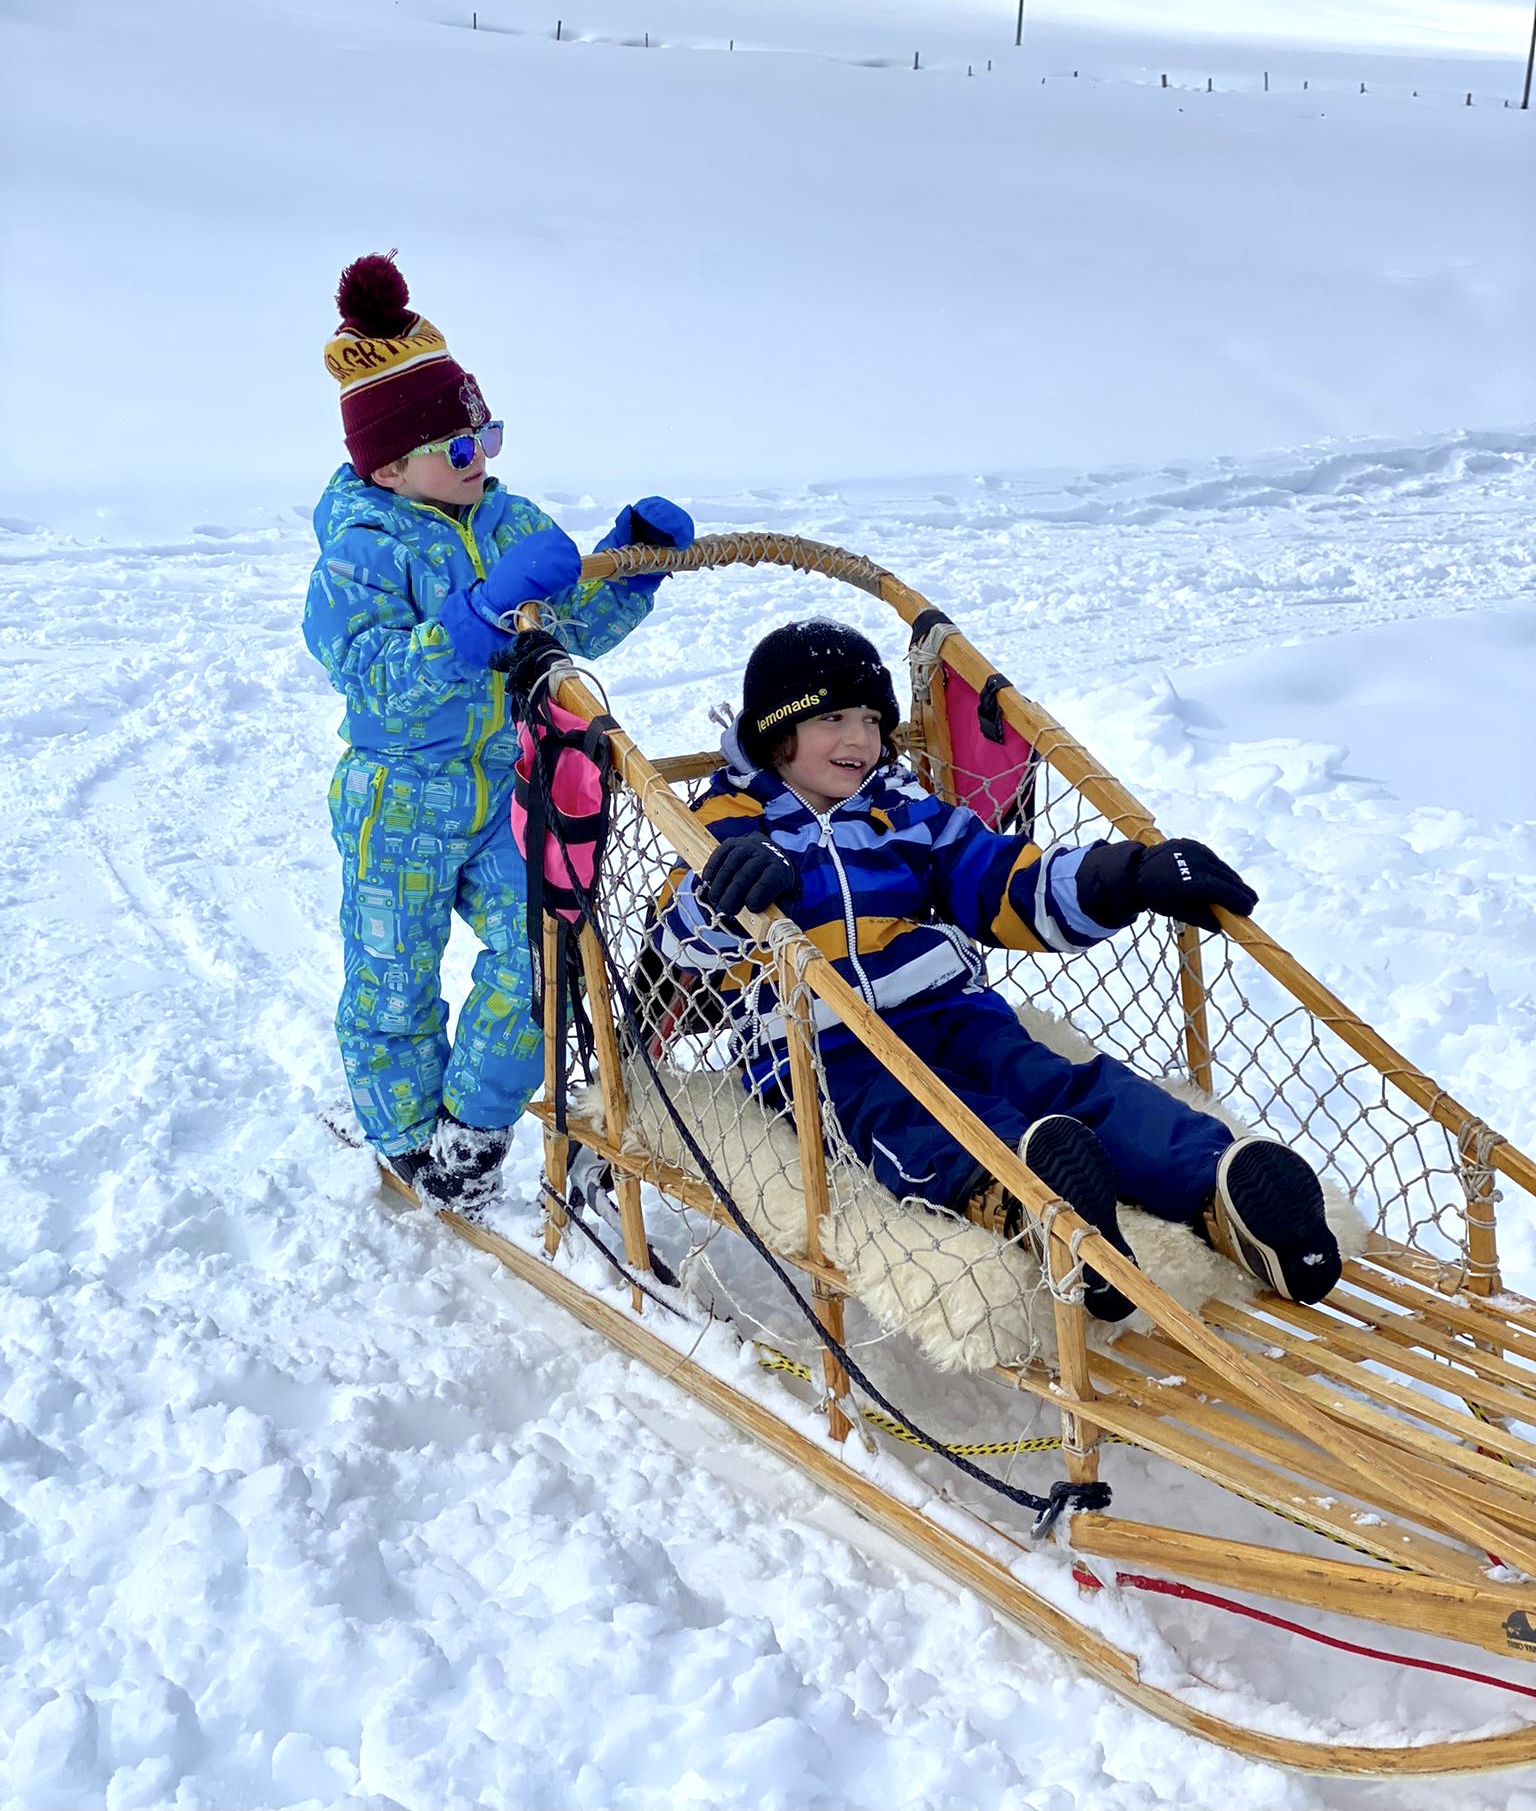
x: 462, y: 1166
x: 1267, y: 1213
x: 1070, y: 1161
x: 408, y: 1165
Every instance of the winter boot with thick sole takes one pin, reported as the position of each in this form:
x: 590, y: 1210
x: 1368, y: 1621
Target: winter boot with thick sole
x: 462, y: 1167
x: 1070, y: 1161
x: 1267, y: 1213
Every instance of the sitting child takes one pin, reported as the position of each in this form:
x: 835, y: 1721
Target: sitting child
x: 815, y: 813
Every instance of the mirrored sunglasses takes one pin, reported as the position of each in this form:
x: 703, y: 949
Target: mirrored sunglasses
x: 460, y: 448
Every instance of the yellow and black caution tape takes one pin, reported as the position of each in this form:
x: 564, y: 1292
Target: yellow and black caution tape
x: 771, y: 1359
x: 1479, y: 1413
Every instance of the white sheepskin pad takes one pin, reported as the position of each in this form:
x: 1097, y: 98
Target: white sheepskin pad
x: 969, y: 1299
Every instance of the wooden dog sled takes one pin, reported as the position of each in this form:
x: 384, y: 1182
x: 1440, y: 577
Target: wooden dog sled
x: 1391, y: 1429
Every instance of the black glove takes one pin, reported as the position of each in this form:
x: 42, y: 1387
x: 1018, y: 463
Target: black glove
x: 1180, y: 879
x: 748, y: 871
x: 527, y: 657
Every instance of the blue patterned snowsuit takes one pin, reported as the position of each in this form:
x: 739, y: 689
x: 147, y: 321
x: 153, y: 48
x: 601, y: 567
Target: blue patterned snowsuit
x: 419, y: 803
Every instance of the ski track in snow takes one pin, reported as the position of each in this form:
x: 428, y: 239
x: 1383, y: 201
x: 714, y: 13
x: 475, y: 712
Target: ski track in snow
x: 300, y: 1505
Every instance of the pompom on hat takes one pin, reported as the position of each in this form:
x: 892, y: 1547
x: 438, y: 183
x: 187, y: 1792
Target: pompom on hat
x: 804, y: 670
x: 400, y: 388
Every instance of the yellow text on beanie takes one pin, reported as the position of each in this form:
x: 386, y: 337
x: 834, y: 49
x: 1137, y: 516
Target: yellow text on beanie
x: 400, y: 388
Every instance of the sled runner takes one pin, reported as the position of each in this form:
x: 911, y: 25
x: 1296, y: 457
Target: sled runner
x: 1379, y: 1447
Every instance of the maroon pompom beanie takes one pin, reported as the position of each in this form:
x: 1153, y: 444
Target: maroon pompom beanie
x: 400, y: 388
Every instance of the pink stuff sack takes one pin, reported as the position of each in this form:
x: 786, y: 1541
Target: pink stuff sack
x: 987, y: 769
x: 560, y: 805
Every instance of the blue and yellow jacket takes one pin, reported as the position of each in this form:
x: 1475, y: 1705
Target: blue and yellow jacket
x: 371, y: 618
x: 896, y: 890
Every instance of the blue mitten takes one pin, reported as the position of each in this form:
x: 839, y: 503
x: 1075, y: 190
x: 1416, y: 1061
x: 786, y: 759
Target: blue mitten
x: 652, y: 522
x: 531, y: 569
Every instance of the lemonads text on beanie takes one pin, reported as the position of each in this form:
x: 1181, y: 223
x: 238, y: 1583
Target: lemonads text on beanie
x: 400, y: 388
x: 804, y: 670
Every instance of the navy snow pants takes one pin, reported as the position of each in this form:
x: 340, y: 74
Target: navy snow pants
x: 1164, y: 1152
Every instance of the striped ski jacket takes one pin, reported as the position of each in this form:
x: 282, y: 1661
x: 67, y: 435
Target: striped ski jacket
x: 896, y: 890
x: 371, y: 618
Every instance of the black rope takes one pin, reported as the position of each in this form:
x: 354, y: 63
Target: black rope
x: 662, y: 1272
x: 1063, y: 1494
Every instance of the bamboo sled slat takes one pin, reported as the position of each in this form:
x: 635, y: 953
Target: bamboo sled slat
x: 1498, y: 1319
x: 1232, y: 1439
x: 1368, y: 1346
x: 1480, y: 1616
x: 1510, y: 1492
x: 1314, y: 1356
x: 1161, y: 1429
x: 1415, y: 1331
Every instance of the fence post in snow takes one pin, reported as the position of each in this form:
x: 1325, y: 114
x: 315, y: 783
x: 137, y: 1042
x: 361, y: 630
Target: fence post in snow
x: 1530, y: 63
x: 1362, y: 87
x: 1018, y: 30
x: 559, y: 27
x: 1165, y: 81
x: 1210, y: 85
x: 1469, y: 100
x: 474, y: 21
x: 1266, y: 81
x: 915, y: 63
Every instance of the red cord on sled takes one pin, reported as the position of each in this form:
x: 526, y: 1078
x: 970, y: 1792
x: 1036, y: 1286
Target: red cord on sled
x: 1166, y: 1587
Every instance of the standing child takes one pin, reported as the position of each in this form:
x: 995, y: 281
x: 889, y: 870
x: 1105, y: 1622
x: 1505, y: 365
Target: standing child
x: 423, y: 558
x: 814, y: 813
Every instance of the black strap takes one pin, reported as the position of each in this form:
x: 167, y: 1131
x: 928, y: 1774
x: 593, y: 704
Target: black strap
x: 533, y: 796
x: 926, y: 620
x: 548, y: 898
x: 989, y: 713
x: 536, y: 795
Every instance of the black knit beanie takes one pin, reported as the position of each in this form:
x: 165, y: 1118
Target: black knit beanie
x: 804, y: 670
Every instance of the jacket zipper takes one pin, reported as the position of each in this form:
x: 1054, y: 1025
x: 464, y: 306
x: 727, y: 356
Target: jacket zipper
x: 850, y: 926
x: 498, y: 716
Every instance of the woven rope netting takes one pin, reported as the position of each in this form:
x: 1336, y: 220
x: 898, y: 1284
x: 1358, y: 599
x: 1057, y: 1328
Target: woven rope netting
x: 1271, y: 1061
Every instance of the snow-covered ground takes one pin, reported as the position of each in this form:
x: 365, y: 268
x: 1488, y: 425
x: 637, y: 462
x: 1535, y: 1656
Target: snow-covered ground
x: 299, y: 1504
